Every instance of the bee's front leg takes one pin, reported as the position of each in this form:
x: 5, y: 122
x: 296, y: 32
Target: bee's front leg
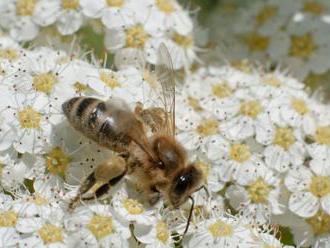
x: 100, y: 180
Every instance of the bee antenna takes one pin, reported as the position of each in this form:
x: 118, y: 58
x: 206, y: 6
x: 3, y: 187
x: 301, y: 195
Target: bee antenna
x: 189, y: 217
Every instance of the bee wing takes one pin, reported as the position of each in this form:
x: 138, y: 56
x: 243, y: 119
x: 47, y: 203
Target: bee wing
x: 165, y: 75
x: 129, y: 125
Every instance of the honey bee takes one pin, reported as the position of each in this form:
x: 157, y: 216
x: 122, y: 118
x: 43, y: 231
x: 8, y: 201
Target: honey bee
x: 157, y: 162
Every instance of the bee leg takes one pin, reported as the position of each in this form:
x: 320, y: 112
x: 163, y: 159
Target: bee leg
x: 101, y: 179
x: 153, y: 195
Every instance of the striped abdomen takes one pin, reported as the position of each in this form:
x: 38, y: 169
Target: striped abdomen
x: 99, y: 121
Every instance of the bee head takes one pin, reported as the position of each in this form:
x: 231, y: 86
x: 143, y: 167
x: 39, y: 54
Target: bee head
x: 184, y: 184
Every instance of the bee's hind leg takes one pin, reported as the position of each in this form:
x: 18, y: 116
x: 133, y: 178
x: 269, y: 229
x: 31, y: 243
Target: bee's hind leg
x: 97, y: 184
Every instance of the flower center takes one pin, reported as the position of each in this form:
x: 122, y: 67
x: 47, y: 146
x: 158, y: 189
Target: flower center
x: 25, y: 7
x: 79, y: 87
x: 70, y: 4
x: 29, y: 118
x: 57, y: 161
x: 314, y: 7
x: 222, y: 90
x: 299, y: 106
x: 109, y: 79
x: 266, y: 13
x: 204, y: 168
x: 320, y: 186
x: 271, y: 80
x: 165, y: 6
x: 162, y: 232
x: 194, y: 103
x: 44, y: 82
x: 240, y: 153
x: 101, y: 226
x: 320, y: 223
x: 242, y: 65
x: 9, y: 54
x: 38, y: 199
x: 50, y: 234
x: 302, y: 46
x: 136, y: 36
x: 182, y: 40
x: 256, y: 42
x: 208, y: 127
x: 322, y: 135
x: 284, y: 137
x: 220, y: 229
x: 115, y: 3
x: 259, y: 191
x: 251, y: 109
x: 133, y: 207
x: 8, y: 219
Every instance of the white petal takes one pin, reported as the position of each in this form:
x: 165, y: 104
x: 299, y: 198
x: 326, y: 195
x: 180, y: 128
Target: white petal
x: 304, y: 204
x: 325, y: 203
x: 28, y: 225
x: 92, y: 9
x: 46, y: 12
x: 238, y: 128
x: 277, y: 158
x: 69, y: 22
x: 237, y: 196
x: 24, y: 29
x: 298, y: 179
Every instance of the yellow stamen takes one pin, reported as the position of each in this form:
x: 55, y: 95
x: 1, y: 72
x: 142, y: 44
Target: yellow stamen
x: 162, y: 232
x: 302, y: 46
x: 25, y: 7
x: 57, y: 161
x: 208, y: 127
x: 259, y: 191
x: 101, y: 226
x: 251, y: 108
x: 8, y: 218
x: 220, y: 229
x: 284, y: 137
x: 29, y: 118
x: 50, y: 234
x: 240, y: 153
x: 136, y: 36
x: 256, y: 42
x: 44, y: 82
x: 320, y: 223
x: 133, y: 206
x: 322, y: 135
x: 320, y: 186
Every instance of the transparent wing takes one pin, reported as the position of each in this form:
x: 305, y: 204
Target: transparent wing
x: 165, y: 75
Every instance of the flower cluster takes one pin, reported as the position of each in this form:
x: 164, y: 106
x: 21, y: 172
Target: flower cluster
x: 233, y: 129
x: 291, y: 34
x: 132, y: 29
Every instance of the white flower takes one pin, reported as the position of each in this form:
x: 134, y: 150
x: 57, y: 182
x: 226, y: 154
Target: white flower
x: 13, y: 169
x: 45, y: 231
x: 94, y: 226
x: 65, y: 13
x: 18, y: 18
x: 28, y: 119
x: 171, y: 15
x: 286, y: 147
x: 220, y: 232
x: 114, y: 13
x: 310, y: 189
x: 257, y: 194
x: 131, y: 209
x: 157, y: 235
